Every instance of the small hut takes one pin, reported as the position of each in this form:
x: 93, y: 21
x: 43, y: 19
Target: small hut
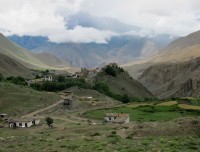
x: 3, y: 115
x: 116, y: 118
x: 70, y: 103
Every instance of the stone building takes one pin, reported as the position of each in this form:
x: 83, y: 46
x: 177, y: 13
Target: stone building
x: 116, y: 118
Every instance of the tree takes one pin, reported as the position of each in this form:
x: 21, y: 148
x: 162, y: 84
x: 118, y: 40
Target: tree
x: 46, y: 72
x: 1, y: 77
x: 125, y: 99
x: 102, y: 88
x: 49, y: 121
x: 110, y: 70
x: 61, y: 78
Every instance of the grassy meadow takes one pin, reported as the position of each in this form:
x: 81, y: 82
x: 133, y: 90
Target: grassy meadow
x: 80, y: 138
x: 154, y: 127
x: 17, y: 100
x: 146, y: 113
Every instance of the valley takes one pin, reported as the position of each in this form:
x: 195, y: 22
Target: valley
x: 99, y: 76
x: 153, y: 125
x: 162, y: 104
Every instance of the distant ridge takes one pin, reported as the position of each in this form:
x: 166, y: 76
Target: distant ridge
x: 27, y: 58
x: 182, y: 49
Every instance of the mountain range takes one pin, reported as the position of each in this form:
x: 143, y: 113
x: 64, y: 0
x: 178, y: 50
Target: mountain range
x: 167, y: 66
x: 174, y: 71
x: 123, y: 48
x: 181, y: 49
x: 120, y: 49
x: 22, y: 59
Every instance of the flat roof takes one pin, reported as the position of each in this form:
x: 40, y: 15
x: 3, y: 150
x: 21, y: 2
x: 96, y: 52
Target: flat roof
x: 116, y: 115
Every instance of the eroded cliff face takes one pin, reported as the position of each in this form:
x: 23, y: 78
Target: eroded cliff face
x: 173, y: 80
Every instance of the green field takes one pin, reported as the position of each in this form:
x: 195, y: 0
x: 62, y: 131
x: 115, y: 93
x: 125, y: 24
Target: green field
x: 192, y: 101
x: 90, y: 139
x: 18, y: 100
x: 153, y: 127
x: 145, y: 113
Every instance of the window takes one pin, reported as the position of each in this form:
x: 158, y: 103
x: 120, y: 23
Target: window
x: 109, y: 118
x: 20, y: 124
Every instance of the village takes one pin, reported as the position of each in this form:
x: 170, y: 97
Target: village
x: 66, y: 105
x: 72, y: 115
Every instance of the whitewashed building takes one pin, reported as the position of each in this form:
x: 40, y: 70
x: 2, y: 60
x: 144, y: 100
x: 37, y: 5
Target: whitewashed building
x: 23, y: 123
x: 48, y: 78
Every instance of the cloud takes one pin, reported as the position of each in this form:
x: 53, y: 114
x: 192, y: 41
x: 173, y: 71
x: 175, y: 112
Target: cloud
x: 27, y: 17
x: 82, y: 35
x: 177, y: 17
x: 47, y: 17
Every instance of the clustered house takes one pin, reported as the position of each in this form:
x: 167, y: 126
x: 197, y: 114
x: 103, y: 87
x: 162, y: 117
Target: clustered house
x: 116, y: 118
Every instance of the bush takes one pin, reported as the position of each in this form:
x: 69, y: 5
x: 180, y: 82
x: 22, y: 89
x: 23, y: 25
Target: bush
x: 62, y: 85
x: 17, y: 80
x: 125, y: 99
x: 45, y: 73
x: 102, y: 88
x: 113, y: 70
x: 95, y: 134
x: 49, y: 121
x: 110, y: 71
x: 61, y: 78
x: 1, y: 77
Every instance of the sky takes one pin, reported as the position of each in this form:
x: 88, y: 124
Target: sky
x: 49, y: 18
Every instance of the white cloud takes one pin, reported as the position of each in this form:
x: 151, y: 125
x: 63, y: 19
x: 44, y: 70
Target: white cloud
x: 82, y: 35
x: 38, y: 17
x: 178, y: 17
x: 46, y: 17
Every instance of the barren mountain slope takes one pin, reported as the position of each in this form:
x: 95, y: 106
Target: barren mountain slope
x: 173, y: 79
x: 182, y: 49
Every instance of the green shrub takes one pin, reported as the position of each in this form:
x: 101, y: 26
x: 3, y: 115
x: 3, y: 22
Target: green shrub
x: 49, y: 121
x: 95, y: 134
x: 113, y: 70
x: 16, y: 80
x: 110, y: 71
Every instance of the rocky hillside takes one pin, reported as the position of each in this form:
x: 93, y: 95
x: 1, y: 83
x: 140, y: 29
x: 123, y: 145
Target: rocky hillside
x: 182, y: 49
x: 173, y: 79
x: 120, y: 82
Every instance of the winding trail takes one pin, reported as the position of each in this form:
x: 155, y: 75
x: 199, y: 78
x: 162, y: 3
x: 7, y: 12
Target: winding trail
x: 36, y: 113
x: 73, y: 118
x: 43, y: 109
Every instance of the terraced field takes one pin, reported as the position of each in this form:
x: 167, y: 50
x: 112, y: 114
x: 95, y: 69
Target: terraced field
x: 146, y: 113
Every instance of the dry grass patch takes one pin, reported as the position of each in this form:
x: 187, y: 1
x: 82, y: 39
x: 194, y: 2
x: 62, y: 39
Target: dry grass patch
x: 169, y: 103
x: 191, y: 107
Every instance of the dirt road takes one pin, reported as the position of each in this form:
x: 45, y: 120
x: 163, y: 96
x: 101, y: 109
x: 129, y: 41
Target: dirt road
x: 43, y: 109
